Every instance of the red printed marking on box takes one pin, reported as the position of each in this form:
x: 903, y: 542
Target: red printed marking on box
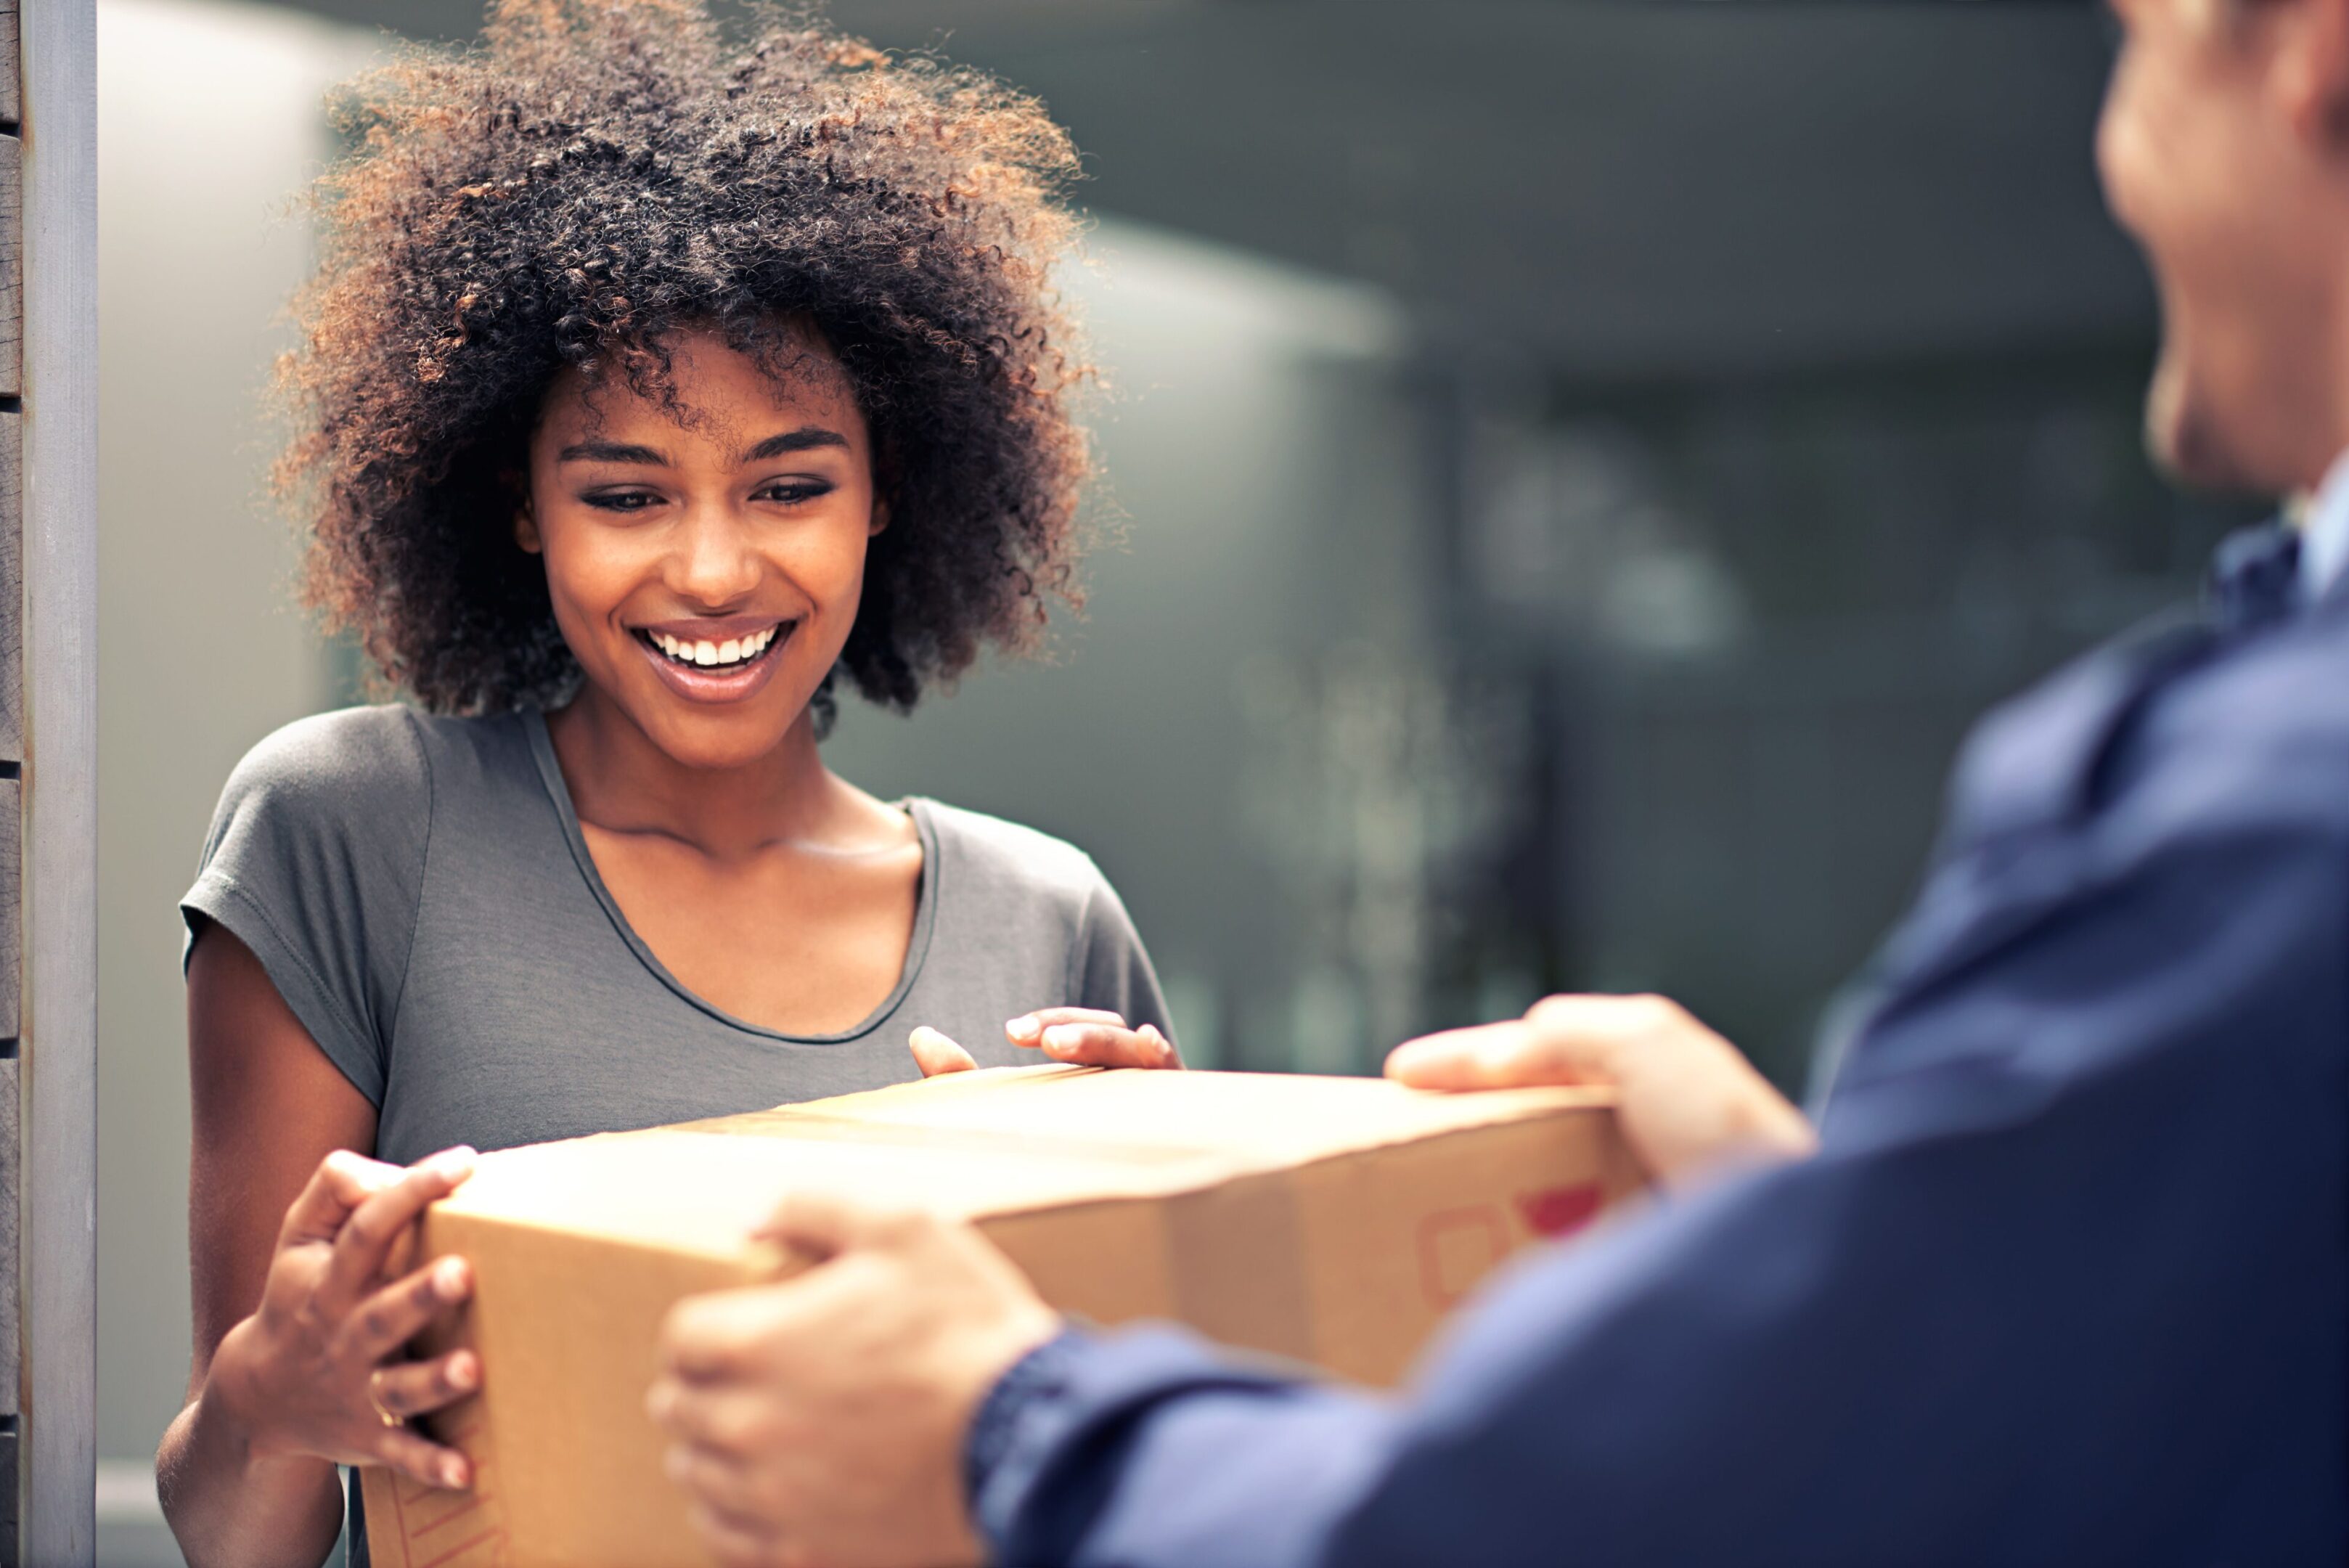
x: 487, y: 1538
x: 1561, y: 1210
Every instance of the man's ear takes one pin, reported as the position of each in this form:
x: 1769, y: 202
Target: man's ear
x: 525, y: 529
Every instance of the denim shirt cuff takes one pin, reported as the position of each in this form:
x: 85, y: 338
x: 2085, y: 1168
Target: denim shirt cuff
x: 1012, y: 1430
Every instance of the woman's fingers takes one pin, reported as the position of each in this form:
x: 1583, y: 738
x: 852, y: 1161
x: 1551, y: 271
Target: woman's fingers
x: 342, y: 1182
x: 401, y: 1256
x: 1107, y: 1046
x: 397, y: 1313
x: 1081, y: 1036
x: 935, y: 1054
x: 412, y: 1388
x: 1027, y: 1029
x: 421, y: 1460
x: 366, y: 1237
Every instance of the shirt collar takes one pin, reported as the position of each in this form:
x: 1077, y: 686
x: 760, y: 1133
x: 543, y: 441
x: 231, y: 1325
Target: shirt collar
x: 2324, y: 533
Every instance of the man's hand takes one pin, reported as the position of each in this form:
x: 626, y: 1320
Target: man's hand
x: 1688, y: 1102
x: 821, y: 1420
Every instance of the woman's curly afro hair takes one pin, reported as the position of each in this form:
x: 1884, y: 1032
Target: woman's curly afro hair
x: 598, y: 175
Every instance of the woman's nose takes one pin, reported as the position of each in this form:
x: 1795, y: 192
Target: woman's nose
x: 715, y: 563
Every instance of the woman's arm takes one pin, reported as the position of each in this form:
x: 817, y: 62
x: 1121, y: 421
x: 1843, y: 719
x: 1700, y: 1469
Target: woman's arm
x: 292, y: 1238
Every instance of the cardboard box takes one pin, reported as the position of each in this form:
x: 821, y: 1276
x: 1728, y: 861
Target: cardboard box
x: 1333, y: 1221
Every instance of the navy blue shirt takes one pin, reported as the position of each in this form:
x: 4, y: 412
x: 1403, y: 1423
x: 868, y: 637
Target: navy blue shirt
x: 2064, y: 1282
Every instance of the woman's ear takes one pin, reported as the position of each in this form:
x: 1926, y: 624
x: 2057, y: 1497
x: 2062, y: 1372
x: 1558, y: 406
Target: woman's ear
x: 880, y: 522
x: 525, y: 530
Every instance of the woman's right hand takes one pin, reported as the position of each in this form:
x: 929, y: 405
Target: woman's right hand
x: 321, y: 1369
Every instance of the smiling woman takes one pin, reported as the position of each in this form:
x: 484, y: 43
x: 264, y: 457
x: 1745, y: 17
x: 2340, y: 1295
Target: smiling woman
x: 652, y: 381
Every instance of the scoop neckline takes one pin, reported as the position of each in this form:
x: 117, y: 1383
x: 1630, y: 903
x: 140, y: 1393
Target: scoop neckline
x: 918, y: 950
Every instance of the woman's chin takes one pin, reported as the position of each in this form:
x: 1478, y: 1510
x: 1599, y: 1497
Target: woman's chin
x: 703, y: 735
x: 714, y: 743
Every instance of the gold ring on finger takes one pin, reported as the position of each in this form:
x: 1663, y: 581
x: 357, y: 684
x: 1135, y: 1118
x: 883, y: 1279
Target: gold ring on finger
x: 375, y: 1398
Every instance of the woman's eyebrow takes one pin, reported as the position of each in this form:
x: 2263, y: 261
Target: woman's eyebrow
x: 800, y: 439
x: 610, y: 452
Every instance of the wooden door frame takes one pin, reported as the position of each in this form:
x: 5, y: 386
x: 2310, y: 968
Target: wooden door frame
x: 57, y: 1193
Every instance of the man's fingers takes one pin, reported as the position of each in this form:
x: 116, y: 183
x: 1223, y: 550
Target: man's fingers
x: 739, y: 1541
x: 1455, y: 1059
x: 343, y: 1181
x: 716, y: 1335
x: 1027, y: 1029
x: 366, y: 1237
x: 419, y: 1459
x: 412, y: 1388
x: 823, y: 1224
x: 724, y: 1421
x: 1562, y: 1040
x: 935, y: 1054
x: 1513, y: 1054
x: 714, y: 1476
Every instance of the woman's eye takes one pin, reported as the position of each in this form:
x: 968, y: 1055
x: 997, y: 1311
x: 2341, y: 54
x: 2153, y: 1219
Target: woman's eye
x: 622, y: 499
x: 792, y: 491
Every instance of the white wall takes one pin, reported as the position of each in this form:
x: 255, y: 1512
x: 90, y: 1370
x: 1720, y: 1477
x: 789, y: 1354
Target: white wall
x: 208, y: 120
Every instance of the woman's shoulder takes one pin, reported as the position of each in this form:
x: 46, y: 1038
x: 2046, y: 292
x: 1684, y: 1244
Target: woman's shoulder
x: 1007, y: 879
x: 994, y: 851
x: 329, y: 752
x: 371, y: 768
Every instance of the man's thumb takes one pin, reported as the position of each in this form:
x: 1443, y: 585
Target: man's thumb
x: 814, y: 1226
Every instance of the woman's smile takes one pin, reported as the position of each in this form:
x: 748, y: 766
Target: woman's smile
x: 717, y: 661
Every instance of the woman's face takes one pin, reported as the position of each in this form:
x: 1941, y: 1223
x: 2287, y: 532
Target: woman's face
x: 705, y: 571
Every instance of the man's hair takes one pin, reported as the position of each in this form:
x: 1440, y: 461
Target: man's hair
x: 596, y: 176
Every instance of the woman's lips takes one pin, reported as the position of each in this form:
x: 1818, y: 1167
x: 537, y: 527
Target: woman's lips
x: 698, y: 683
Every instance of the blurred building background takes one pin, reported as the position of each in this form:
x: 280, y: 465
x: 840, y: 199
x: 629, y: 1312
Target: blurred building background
x: 1575, y: 469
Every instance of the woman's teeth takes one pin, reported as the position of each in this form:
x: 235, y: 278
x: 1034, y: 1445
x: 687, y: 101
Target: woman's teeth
x: 733, y: 651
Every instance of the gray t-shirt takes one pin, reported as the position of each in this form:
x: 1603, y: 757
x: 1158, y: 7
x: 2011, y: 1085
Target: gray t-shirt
x: 420, y: 894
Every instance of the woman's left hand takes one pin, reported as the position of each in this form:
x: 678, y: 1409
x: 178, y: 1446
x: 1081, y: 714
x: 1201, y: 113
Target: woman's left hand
x: 1081, y: 1036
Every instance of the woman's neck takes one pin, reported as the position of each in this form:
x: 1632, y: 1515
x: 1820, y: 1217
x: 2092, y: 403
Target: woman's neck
x: 622, y: 782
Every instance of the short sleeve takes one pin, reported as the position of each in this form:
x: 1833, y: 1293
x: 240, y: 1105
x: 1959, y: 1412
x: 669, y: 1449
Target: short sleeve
x: 316, y: 862
x: 1114, y: 970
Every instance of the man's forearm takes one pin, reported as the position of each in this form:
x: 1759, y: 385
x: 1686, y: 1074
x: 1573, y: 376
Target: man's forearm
x: 1146, y: 1450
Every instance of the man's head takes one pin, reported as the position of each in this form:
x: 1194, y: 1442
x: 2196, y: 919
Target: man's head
x: 2225, y: 149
